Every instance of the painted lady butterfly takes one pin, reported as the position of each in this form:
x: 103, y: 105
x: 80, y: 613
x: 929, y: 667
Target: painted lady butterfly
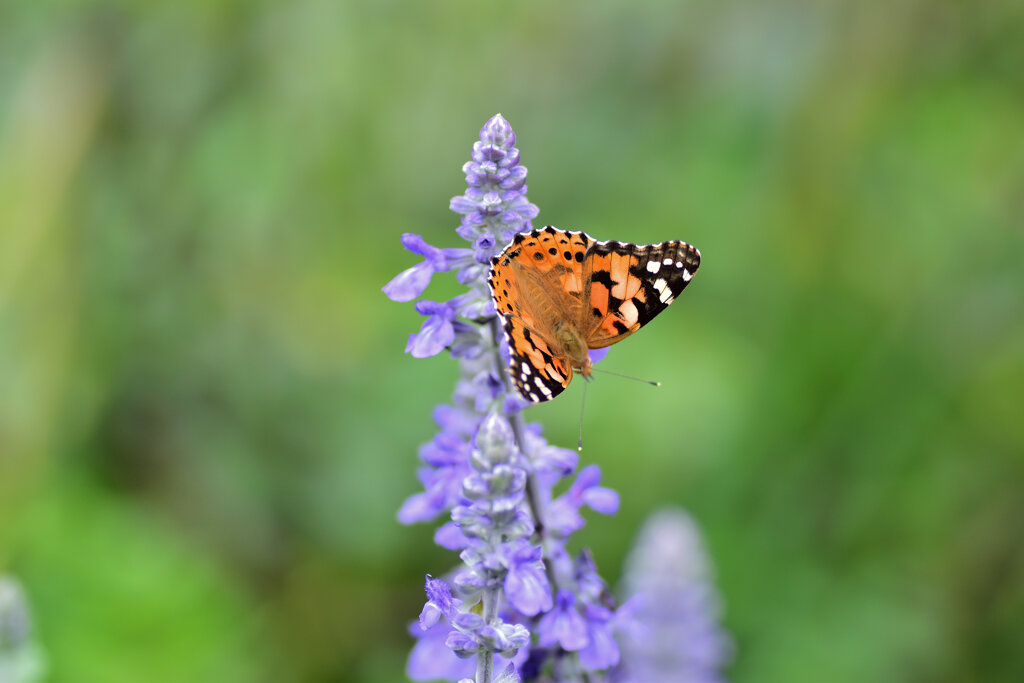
x: 560, y: 294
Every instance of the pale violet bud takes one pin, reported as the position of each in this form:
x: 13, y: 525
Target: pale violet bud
x: 495, y: 443
x: 505, y: 639
x: 461, y: 644
x: 503, y: 481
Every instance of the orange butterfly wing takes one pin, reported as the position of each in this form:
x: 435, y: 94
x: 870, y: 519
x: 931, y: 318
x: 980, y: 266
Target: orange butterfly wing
x: 629, y: 284
x: 536, y: 282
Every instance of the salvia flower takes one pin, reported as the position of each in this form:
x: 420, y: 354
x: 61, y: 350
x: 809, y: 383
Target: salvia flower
x: 564, y: 625
x: 410, y: 283
x: 519, y: 603
x: 676, y: 636
x: 563, y: 515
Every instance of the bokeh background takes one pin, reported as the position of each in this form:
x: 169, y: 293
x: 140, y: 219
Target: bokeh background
x: 207, y: 421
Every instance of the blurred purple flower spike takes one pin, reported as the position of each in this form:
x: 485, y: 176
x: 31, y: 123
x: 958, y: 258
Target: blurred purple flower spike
x: 676, y: 637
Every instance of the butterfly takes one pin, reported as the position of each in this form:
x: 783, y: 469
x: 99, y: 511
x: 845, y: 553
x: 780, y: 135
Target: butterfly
x: 560, y: 293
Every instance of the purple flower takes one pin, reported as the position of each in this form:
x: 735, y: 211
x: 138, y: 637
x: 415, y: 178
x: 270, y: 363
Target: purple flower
x: 526, y: 584
x: 436, y: 333
x: 601, y: 650
x: 410, y: 283
x: 489, y: 388
x: 563, y: 514
x: 443, y: 489
x: 439, y: 603
x: 487, y: 246
x: 589, y: 585
x: 431, y: 658
x: 564, y: 625
x: 450, y: 537
x: 455, y: 420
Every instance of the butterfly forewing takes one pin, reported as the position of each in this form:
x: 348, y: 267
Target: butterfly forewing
x: 548, y: 278
x: 629, y: 284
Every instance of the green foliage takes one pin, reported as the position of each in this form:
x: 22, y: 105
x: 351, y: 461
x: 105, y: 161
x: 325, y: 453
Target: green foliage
x: 208, y: 423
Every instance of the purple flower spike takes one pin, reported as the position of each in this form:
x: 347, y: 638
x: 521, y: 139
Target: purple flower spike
x: 673, y: 614
x: 495, y: 197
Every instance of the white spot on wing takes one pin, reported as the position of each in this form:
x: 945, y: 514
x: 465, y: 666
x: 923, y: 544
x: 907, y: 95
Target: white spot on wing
x: 667, y: 262
x: 653, y: 266
x: 687, y: 276
x: 664, y: 293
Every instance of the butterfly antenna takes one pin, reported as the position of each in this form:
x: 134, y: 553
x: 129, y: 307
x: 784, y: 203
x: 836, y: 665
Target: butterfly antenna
x: 617, y: 374
x: 579, y: 443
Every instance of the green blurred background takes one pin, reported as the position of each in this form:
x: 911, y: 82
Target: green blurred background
x: 207, y: 421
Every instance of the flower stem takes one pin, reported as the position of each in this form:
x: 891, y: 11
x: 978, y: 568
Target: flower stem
x: 484, y: 657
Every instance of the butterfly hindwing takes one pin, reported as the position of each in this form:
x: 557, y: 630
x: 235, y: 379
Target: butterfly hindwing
x: 630, y: 284
x: 538, y: 374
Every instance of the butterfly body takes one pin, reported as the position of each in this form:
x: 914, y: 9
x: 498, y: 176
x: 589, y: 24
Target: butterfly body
x: 560, y: 294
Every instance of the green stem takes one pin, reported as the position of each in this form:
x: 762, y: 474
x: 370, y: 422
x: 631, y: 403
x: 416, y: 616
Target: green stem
x: 484, y: 657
